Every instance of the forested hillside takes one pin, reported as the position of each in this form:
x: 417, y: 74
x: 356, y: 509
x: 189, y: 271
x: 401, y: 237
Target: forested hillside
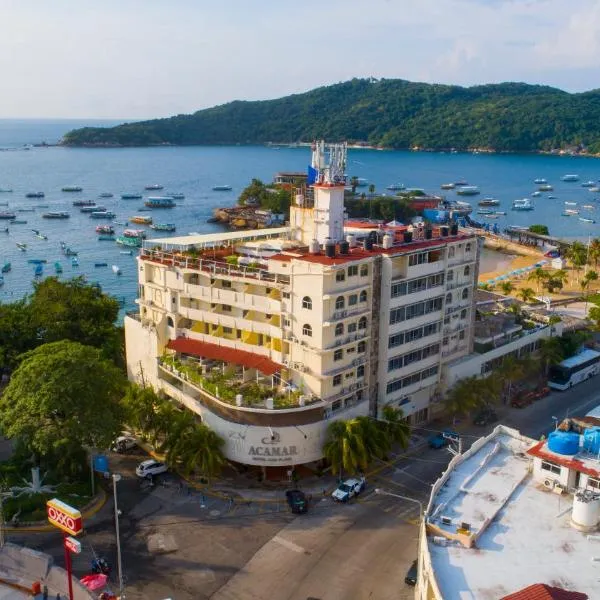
x: 388, y: 112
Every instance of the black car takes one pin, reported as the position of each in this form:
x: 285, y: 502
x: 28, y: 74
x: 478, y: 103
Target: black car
x: 412, y: 574
x: 485, y: 416
x: 297, y: 501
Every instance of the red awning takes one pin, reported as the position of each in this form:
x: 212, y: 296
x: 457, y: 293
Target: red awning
x: 231, y: 355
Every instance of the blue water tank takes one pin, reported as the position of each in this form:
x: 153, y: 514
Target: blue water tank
x: 564, y: 442
x: 591, y: 440
x: 101, y: 463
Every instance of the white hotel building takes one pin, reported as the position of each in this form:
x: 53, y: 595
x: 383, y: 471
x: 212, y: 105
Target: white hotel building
x: 269, y: 335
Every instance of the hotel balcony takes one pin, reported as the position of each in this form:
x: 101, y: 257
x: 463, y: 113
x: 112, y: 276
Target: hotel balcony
x: 217, y: 295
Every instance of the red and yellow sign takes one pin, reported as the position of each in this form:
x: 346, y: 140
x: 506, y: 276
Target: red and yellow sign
x: 64, y: 517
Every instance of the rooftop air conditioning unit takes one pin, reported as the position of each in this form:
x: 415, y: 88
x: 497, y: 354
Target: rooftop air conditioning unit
x: 446, y: 520
x: 465, y: 526
x: 549, y: 483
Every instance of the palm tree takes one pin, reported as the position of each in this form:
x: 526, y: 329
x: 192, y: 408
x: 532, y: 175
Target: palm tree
x: 560, y: 275
x: 538, y: 275
x: 511, y: 371
x: 395, y: 426
x: 202, y: 452
x: 594, y: 251
x: 464, y: 396
x: 182, y: 423
x: 507, y: 287
x: 354, y: 183
x: 551, y: 353
x: 589, y: 277
x: 577, y: 254
x: 526, y: 294
x: 345, y: 449
x: 377, y: 443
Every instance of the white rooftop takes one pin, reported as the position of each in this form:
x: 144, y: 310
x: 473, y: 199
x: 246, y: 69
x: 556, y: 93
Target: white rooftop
x: 522, y: 532
x: 216, y: 239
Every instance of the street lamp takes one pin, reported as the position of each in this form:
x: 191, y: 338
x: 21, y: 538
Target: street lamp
x: 555, y: 419
x: 116, y: 477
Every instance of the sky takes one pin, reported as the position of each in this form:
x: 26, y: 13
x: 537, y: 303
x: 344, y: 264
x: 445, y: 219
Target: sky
x: 136, y: 59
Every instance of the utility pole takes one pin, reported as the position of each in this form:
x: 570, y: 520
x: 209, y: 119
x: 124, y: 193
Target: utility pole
x: 116, y: 477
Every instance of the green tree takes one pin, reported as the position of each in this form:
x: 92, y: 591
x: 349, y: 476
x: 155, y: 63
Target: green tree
x: 464, y: 396
x: 507, y: 287
x: 511, y: 371
x: 551, y: 353
x: 594, y: 251
x: 17, y: 332
x: 539, y: 229
x: 553, y: 285
x: 372, y: 189
x: 345, y: 447
x: 577, y: 254
x: 141, y: 410
x: 539, y: 276
x: 63, y: 397
x: 526, y: 294
x: 395, y: 426
x: 594, y: 315
x: 354, y: 183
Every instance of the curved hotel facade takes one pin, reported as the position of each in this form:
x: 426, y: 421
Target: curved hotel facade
x: 269, y: 335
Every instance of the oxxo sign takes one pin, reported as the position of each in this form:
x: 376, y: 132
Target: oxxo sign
x: 64, y: 517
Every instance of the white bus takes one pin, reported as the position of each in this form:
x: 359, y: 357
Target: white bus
x: 574, y: 370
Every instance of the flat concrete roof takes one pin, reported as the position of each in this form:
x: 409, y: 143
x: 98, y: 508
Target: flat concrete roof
x: 523, y: 532
x: 216, y: 239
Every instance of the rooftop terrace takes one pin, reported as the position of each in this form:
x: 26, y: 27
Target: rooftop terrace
x: 495, y: 531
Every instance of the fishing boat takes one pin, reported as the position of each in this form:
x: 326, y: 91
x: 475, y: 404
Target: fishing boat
x: 522, y: 204
x: 140, y: 220
x: 22, y: 247
x: 106, y: 195
x: 154, y: 186
x: 177, y: 196
x: 485, y: 211
x: 74, y: 261
x: 570, y: 177
x: 37, y: 261
x: 588, y: 184
x: 571, y: 211
x: 102, y: 214
x: 106, y: 237
x: 163, y: 227
x: 91, y: 208
x: 395, y: 187
x: 116, y: 270
x: 18, y: 222
x: 589, y: 206
x: 545, y: 188
x: 41, y: 236
x: 39, y: 270
x: 571, y: 203
x: 135, y: 233
x: 84, y: 203
x: 5, y: 190
x: 594, y: 189
x: 128, y: 252
x: 34, y: 195
x: 7, y: 215
x: 58, y: 267
x: 228, y: 188
x: 72, y: 188
x: 104, y: 229
x: 447, y: 186
x: 536, y: 194
x: 100, y: 264
x: 129, y: 241
x: 500, y: 213
x: 160, y: 202
x: 42, y: 206
x: 468, y: 190
x: 489, y: 202
x: 56, y: 215
x: 27, y: 209
x: 540, y: 180
x: 131, y: 196
x: 6, y: 267
x: 586, y: 220
x: 551, y: 197
x: 120, y: 223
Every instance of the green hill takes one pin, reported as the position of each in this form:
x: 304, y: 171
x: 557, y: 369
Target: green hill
x: 388, y: 112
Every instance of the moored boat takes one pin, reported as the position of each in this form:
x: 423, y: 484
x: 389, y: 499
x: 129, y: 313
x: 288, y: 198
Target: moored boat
x: 39, y: 270
x: 6, y: 267
x: 589, y: 206
x: 160, y: 202
x: 594, y: 189
x: 7, y: 215
x: 224, y: 188
x: 104, y: 229
x: 58, y: 267
x: 27, y: 209
x: 92, y: 208
x: 18, y: 222
x: 570, y: 203
x: 41, y: 236
x: 106, y: 195
x: 135, y: 233
x: 163, y: 227
x: 588, y: 184
x: 522, y: 204
x: 570, y: 177
x: 84, y: 203
x: 34, y: 195
x: 468, y: 190
x: 116, y: 270
x: 489, y: 202
x: 100, y: 264
x: 586, y: 220
x: 540, y: 180
x: 570, y: 211
x: 545, y: 188
x: 5, y: 190
x: 140, y: 220
x: 129, y: 241
x: 177, y: 196
x: 536, y: 194
x: 22, y: 247
x: 37, y: 261
x: 102, y: 214
x: 106, y: 237
x: 74, y: 261
x: 128, y: 252
x: 447, y: 186
x: 395, y: 187
x: 154, y: 186
x: 61, y: 214
x: 131, y: 196
x: 72, y: 188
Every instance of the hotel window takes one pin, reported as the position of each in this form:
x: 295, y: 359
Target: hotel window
x: 307, y: 330
x: 286, y: 295
x: 461, y: 335
x: 352, y: 300
x: 593, y: 483
x: 362, y: 323
x: 451, y: 251
x: 339, y: 303
x: 448, y: 298
x: 363, y: 296
x: 225, y: 283
x: 465, y: 293
x: 225, y: 308
x: 339, y: 329
x: 338, y: 355
x: 227, y: 330
x: 467, y: 271
x: 337, y: 380
x: 450, y: 276
x: 307, y: 303
x: 551, y: 467
x: 360, y: 371
x: 364, y: 270
x: 352, y: 270
x: 463, y: 313
x: 340, y: 276
x: 362, y: 346
x: 468, y: 248
x: 351, y: 327
x: 418, y: 259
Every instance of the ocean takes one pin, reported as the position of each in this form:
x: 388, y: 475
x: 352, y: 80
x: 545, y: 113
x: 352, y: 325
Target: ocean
x: 194, y: 170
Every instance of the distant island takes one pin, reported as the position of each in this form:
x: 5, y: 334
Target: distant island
x: 387, y: 113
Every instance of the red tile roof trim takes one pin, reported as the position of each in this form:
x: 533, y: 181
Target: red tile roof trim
x: 571, y: 463
x: 214, y: 351
x: 541, y: 591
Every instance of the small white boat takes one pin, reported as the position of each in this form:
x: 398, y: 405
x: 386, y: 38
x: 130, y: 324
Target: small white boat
x: 221, y: 188
x: 468, y: 190
x: 589, y: 206
x: 522, y: 204
x: 540, y: 180
x: 545, y: 188
x: 396, y: 186
x: 571, y: 211
x: 570, y: 177
x: 536, y: 194
x: 116, y: 270
x: 447, y: 186
x: 594, y: 189
x: 128, y: 252
x: 154, y: 186
x: 588, y: 184
x: 571, y: 203
x: 586, y: 220
x: 551, y: 197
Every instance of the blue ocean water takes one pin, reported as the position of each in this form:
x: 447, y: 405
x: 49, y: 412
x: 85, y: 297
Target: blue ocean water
x: 195, y: 170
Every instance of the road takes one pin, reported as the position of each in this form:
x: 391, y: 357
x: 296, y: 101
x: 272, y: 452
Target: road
x: 179, y: 544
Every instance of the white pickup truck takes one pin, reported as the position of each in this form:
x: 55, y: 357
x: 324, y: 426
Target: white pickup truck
x: 348, y: 489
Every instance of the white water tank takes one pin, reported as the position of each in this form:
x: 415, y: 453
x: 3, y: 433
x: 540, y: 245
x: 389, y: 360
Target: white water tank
x: 269, y: 403
x: 351, y: 240
x: 239, y: 399
x: 299, y: 200
x: 388, y: 241
x: 586, y: 511
x: 314, y: 247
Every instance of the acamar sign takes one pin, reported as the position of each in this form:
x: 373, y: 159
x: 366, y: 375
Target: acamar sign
x: 64, y: 517
x: 270, y: 451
